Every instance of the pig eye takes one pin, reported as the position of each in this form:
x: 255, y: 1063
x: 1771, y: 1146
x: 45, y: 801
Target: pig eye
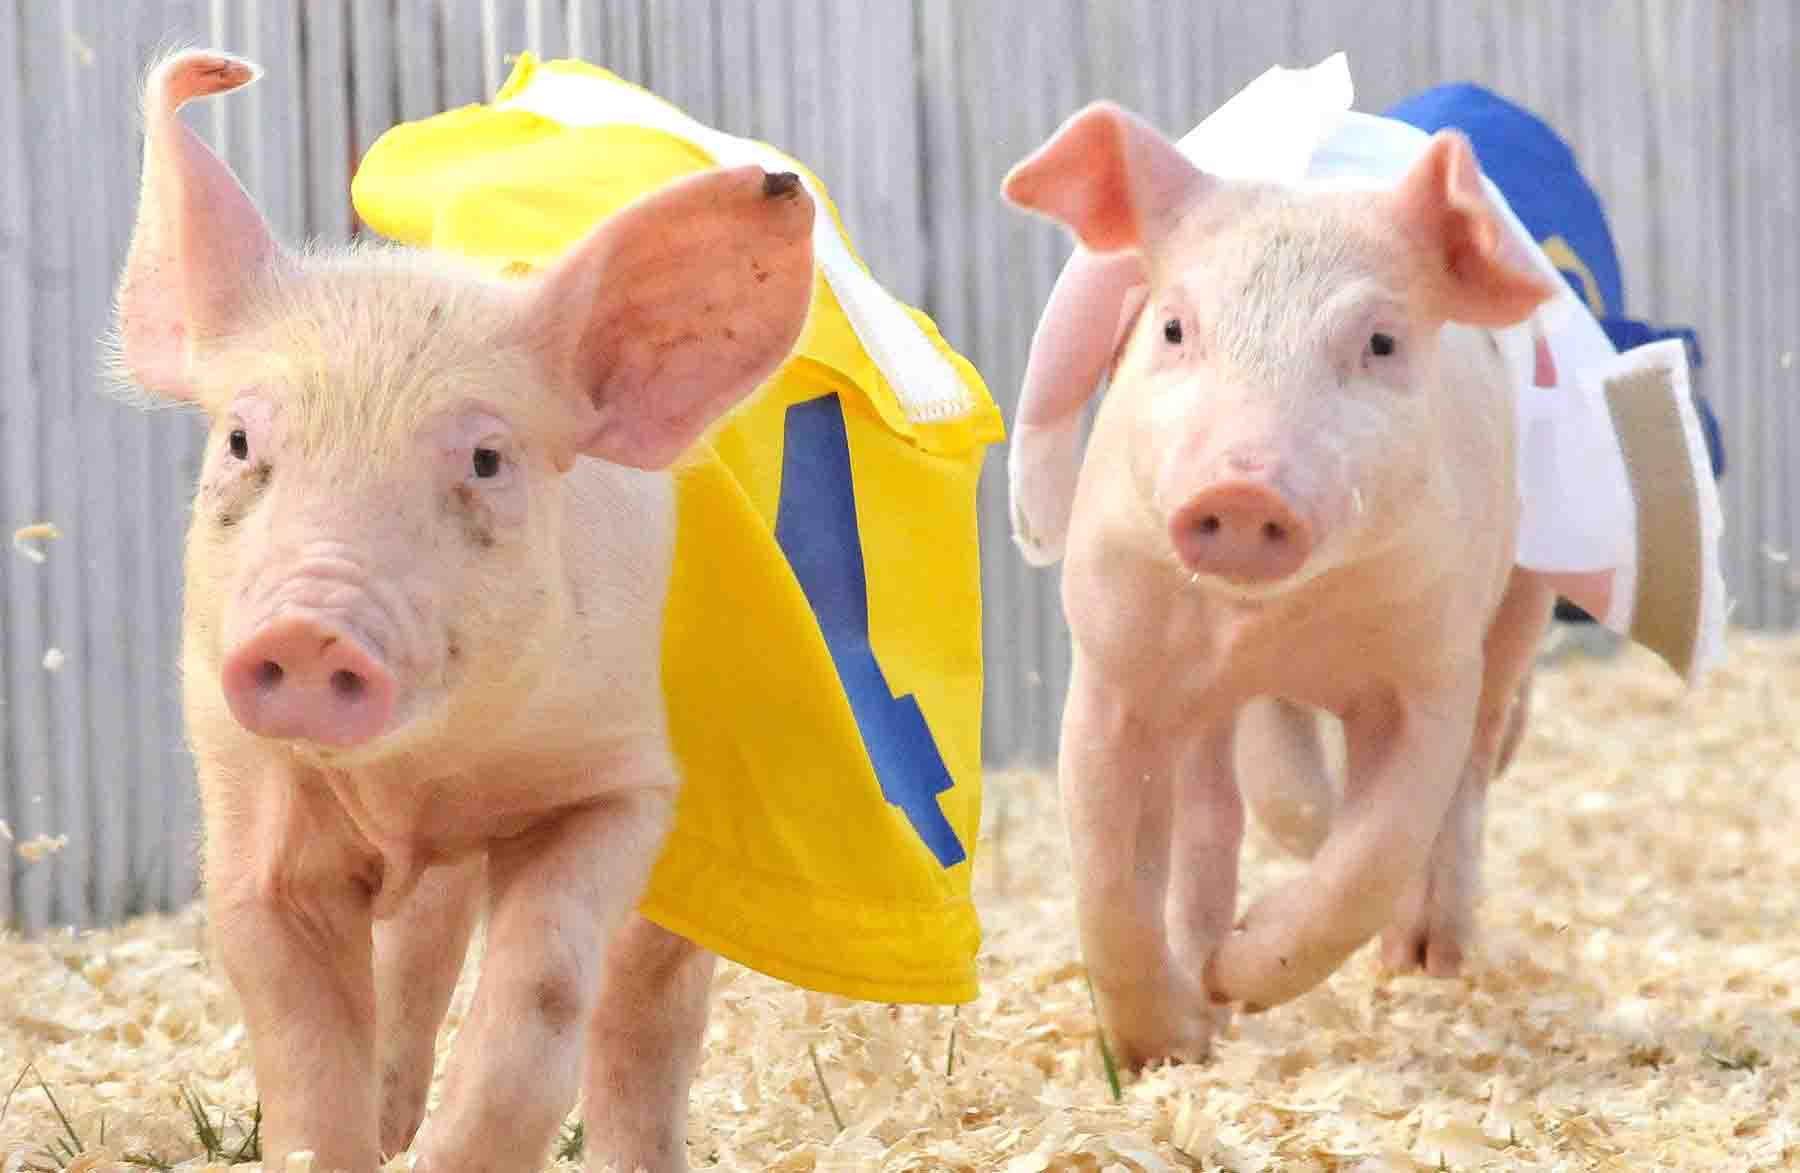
x: 486, y: 462
x: 1382, y: 344
x: 1172, y: 331
x: 240, y: 444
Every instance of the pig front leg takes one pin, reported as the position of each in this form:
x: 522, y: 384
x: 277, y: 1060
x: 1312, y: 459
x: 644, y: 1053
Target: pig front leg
x: 643, y: 1049
x: 288, y: 901
x: 557, y: 896
x: 1281, y: 765
x: 419, y: 954
x: 1121, y: 800
x: 1405, y: 754
x: 1437, y: 913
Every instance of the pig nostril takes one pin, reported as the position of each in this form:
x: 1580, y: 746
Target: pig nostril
x: 1208, y: 525
x: 268, y: 675
x: 347, y: 684
x: 1274, y: 531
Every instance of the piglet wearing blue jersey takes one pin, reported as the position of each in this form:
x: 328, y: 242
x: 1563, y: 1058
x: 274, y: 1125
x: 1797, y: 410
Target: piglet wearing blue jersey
x: 1301, y: 485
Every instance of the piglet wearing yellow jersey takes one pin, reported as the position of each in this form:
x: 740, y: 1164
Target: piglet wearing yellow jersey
x: 1299, y: 491
x: 424, y: 591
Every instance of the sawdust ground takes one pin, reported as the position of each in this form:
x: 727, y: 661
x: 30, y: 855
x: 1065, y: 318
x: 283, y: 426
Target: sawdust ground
x: 1631, y: 1004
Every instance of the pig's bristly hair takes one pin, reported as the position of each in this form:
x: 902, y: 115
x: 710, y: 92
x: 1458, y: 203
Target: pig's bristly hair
x: 360, y: 344
x: 1279, y: 274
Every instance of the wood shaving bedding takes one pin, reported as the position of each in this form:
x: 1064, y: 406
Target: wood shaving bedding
x: 1631, y: 1003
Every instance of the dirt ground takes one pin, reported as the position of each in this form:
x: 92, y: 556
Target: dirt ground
x: 1631, y: 1004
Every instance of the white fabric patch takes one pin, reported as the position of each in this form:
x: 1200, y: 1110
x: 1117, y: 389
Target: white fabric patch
x: 1294, y: 127
x: 1578, y: 508
x: 926, y: 384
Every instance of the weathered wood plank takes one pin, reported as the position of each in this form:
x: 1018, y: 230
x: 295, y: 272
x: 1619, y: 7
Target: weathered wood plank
x: 97, y: 81
x: 329, y: 144
x: 771, y: 96
x: 1054, y: 57
x: 874, y: 159
x: 374, y: 81
x: 1764, y: 170
x: 547, y: 28
x: 63, y: 448
x: 468, y: 76
x: 1466, y: 45
x: 506, y: 30
x: 683, y: 56
x: 419, y: 59
x: 1780, y: 334
x: 619, y: 36
x: 739, y: 71
x: 150, y: 535
x: 1390, y: 57
x: 163, y: 873
x: 24, y: 758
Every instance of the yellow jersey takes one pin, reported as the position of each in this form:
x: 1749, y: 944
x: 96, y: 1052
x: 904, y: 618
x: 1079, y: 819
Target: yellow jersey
x: 822, y: 648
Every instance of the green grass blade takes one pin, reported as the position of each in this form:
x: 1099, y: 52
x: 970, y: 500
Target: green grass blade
x: 1106, y: 1055
x: 950, y: 1059
x: 70, y: 1141
x: 825, y: 1087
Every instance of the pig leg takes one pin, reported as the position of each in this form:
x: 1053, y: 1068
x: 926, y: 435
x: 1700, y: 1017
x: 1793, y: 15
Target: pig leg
x: 556, y: 899
x: 1116, y: 777
x: 419, y: 954
x: 1281, y: 765
x: 1206, y: 834
x: 1516, y: 721
x: 288, y: 902
x: 643, y: 1048
x: 1437, y: 913
x: 1405, y: 753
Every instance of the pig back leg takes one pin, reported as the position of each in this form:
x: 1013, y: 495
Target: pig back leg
x: 1436, y: 919
x: 557, y: 897
x: 419, y: 953
x: 1516, y: 720
x: 1132, y: 794
x: 644, y: 1045
x: 1281, y: 766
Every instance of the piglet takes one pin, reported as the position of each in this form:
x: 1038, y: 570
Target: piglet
x: 1299, y: 494
x: 425, y: 581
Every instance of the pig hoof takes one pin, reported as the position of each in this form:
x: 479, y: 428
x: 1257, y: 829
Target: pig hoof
x: 1174, y: 1027
x: 1189, y: 1047
x: 1436, y: 954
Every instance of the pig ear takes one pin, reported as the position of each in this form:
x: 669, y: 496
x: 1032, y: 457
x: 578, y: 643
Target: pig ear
x: 1110, y: 176
x: 675, y: 308
x: 1441, y: 204
x: 200, y: 248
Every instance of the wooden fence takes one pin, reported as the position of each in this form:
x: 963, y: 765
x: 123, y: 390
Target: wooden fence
x: 1682, y: 113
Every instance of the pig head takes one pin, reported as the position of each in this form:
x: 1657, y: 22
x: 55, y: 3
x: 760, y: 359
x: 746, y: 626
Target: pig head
x: 425, y: 576
x: 1300, y: 486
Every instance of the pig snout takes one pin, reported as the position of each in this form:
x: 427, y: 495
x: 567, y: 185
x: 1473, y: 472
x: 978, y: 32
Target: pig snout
x: 307, y: 679
x: 1243, y: 531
